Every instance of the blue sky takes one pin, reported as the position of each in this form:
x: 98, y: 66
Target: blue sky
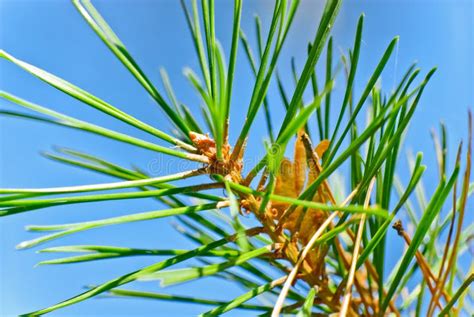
x: 51, y: 34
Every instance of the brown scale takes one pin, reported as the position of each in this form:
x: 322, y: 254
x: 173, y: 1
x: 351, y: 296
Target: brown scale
x: 291, y: 183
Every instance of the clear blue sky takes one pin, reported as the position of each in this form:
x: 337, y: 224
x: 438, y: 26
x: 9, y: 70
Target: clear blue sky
x: 52, y: 35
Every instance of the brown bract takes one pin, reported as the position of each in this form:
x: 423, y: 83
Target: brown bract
x: 290, y: 182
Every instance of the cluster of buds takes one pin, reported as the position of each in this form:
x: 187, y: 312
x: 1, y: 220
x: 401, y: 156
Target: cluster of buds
x: 206, y: 146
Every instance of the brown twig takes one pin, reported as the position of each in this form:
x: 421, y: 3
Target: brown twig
x: 441, y: 277
x: 462, y: 208
x: 424, y: 267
